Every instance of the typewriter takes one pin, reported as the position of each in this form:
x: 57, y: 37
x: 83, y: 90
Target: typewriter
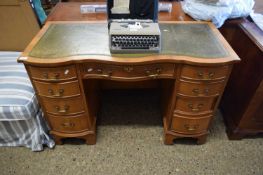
x: 134, y: 36
x: 135, y: 28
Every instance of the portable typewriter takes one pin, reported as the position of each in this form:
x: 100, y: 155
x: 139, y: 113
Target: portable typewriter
x: 133, y: 26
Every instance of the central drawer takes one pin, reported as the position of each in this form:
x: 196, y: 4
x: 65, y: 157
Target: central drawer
x: 163, y: 70
x: 63, y: 106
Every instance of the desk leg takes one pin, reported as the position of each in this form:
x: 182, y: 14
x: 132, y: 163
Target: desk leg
x: 168, y: 139
x: 58, y: 140
x: 201, y: 139
x: 90, y: 139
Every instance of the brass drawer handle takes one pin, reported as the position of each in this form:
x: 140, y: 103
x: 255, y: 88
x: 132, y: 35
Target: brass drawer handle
x: 211, y: 74
x: 56, y: 76
x: 99, y: 71
x: 191, y: 128
x: 59, y: 94
x: 158, y: 70
x: 106, y: 75
x: 128, y: 69
x: 154, y: 75
x: 64, y: 110
x: 197, y: 91
x: 68, y: 125
x: 200, y: 74
x: 197, y: 109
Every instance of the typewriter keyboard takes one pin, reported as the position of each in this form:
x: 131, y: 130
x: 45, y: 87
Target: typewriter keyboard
x: 147, y: 43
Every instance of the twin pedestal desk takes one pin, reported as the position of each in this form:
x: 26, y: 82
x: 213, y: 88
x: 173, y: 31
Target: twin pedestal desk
x: 67, y: 61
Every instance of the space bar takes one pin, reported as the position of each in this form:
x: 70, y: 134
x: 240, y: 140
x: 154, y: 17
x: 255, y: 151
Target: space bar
x: 134, y: 47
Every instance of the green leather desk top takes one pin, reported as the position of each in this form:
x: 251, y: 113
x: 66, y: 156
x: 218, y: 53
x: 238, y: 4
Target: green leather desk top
x: 75, y: 39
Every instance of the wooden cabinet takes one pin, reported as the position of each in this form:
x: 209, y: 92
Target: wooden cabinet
x: 61, y: 98
x: 198, y: 92
x: 242, y: 103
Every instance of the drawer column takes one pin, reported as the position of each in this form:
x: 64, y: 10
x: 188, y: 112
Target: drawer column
x: 197, y: 93
x: 63, y: 102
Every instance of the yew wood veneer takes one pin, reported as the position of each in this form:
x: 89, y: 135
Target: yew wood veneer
x: 67, y: 60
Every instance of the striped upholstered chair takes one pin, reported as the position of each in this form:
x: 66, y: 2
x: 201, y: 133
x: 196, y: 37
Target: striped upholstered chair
x: 21, y: 122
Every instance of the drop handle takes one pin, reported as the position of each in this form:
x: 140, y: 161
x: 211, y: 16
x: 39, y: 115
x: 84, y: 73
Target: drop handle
x: 58, y: 94
x: 200, y: 74
x: 158, y: 70
x: 154, y: 75
x: 197, y: 91
x: 55, y: 77
x: 197, y: 109
x: 68, y: 125
x: 128, y: 69
x: 99, y: 71
x: 64, y: 110
x: 107, y: 75
x: 151, y: 75
x: 191, y: 128
x: 211, y: 74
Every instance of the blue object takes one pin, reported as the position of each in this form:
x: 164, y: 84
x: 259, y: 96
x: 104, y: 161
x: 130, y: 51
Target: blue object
x: 39, y: 11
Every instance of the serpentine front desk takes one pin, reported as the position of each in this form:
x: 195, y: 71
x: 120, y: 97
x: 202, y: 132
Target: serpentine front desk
x: 67, y: 60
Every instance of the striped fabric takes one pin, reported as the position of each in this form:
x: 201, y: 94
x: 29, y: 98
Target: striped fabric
x: 21, y: 120
x: 17, y: 97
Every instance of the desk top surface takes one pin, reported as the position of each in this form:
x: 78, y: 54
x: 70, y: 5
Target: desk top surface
x: 89, y: 40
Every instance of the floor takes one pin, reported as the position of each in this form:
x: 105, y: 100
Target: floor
x: 129, y: 141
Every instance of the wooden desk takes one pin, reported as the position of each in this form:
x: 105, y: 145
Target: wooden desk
x: 70, y: 11
x: 67, y: 61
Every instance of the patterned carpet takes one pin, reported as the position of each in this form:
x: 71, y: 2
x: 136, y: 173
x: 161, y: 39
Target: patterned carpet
x: 129, y: 141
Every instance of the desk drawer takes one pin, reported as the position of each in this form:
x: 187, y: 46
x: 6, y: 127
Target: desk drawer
x: 204, y: 73
x: 66, y: 89
x: 194, y: 106
x: 53, y: 74
x: 63, y: 106
x: 190, y: 125
x: 68, y: 124
x: 200, y: 88
x: 129, y: 71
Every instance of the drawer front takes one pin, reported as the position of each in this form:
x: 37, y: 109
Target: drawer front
x: 129, y: 71
x: 204, y: 73
x: 190, y: 125
x: 66, y: 89
x: 53, y: 74
x: 63, y: 106
x: 200, y: 88
x: 68, y: 124
x: 195, y: 105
